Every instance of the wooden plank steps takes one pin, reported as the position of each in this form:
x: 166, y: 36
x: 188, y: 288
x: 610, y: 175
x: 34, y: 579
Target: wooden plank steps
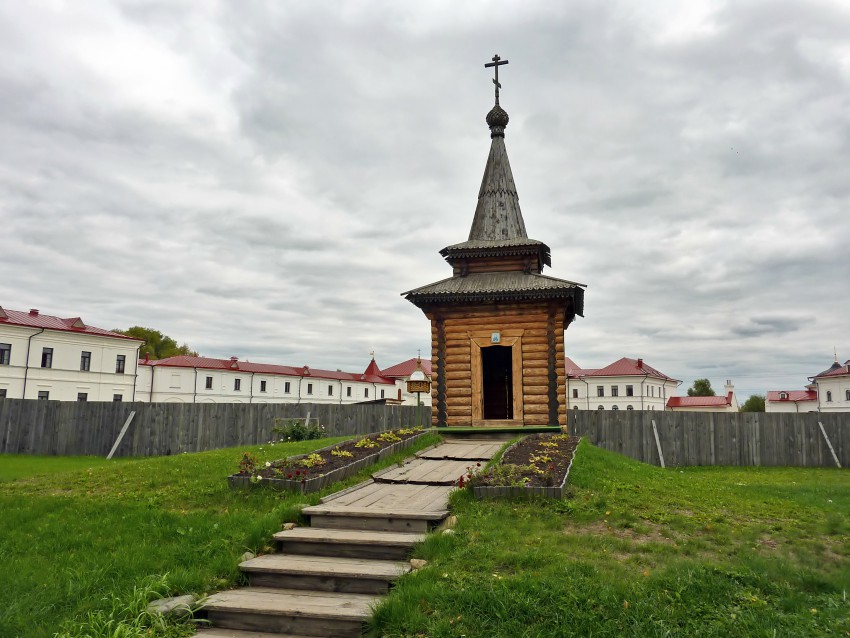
x: 324, y: 573
x: 384, y: 508
x: 274, y: 610
x: 329, y: 576
x: 426, y: 472
x: 467, y: 450
x: 352, y: 543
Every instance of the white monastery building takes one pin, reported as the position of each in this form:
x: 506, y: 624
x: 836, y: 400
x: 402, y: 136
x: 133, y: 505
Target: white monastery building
x: 828, y: 391
x: 54, y: 358
x: 626, y: 384
x: 46, y: 357
x: 187, y: 379
x: 727, y: 402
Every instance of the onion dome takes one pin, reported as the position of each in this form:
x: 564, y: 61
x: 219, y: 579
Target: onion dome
x: 497, y: 120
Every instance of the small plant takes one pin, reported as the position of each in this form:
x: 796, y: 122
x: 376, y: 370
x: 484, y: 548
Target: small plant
x: 312, y: 460
x: 408, y: 431
x: 366, y: 442
x: 389, y: 437
x: 504, y: 475
x: 341, y: 453
x: 248, y: 463
x: 297, y: 430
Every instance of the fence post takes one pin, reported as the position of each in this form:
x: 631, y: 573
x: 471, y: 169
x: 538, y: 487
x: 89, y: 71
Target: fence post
x: 657, y: 443
x: 829, y: 444
x: 121, y: 434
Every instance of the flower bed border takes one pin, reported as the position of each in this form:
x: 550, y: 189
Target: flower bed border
x: 483, y: 492
x: 316, y: 483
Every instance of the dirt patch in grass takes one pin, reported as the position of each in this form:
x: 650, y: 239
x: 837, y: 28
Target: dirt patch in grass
x: 654, y: 535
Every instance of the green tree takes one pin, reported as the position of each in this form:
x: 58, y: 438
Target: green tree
x: 157, y: 345
x: 754, y: 404
x: 701, y: 388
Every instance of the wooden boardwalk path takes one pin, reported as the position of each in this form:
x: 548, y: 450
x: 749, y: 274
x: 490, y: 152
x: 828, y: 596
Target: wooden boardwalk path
x: 327, y: 578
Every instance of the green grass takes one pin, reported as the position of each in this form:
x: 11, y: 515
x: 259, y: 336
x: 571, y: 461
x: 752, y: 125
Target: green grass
x: 20, y: 466
x: 85, y: 545
x: 640, y: 551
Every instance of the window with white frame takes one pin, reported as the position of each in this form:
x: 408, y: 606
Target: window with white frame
x: 382, y: 394
x: 82, y: 396
x: 614, y: 407
x: 309, y: 388
x: 237, y: 385
x: 120, y: 363
x: 829, y: 396
x: 208, y: 383
x: 575, y: 393
x: 630, y: 390
x: 85, y: 361
x: 46, y: 359
x: 117, y: 398
x: 348, y: 391
x: 330, y: 390
x: 5, y: 353
x: 601, y: 407
x: 630, y: 407
x: 615, y: 390
x: 262, y: 385
x: 366, y: 392
x: 43, y: 395
x: 600, y: 391
x: 286, y: 387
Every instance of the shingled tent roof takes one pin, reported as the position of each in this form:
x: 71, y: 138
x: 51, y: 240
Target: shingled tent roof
x: 497, y: 286
x: 498, y: 229
x: 498, y: 222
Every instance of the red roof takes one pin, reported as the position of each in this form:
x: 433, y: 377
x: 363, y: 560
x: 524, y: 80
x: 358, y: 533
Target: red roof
x: 836, y: 370
x: 699, y: 402
x: 208, y: 363
x: 792, y: 396
x: 574, y: 369
x: 34, y: 319
x: 626, y: 367
x: 372, y: 369
x: 406, y: 368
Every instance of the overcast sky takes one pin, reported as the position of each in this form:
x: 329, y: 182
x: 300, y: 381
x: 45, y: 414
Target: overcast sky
x: 263, y: 179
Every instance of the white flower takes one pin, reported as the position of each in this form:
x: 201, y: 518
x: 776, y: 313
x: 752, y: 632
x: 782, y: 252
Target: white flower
x: 268, y: 463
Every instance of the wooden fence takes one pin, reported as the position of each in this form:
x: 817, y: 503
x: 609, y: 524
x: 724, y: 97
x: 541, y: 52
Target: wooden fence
x: 90, y: 428
x: 684, y: 438
x: 713, y: 438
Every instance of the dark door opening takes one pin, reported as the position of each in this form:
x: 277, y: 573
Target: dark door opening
x: 497, y: 382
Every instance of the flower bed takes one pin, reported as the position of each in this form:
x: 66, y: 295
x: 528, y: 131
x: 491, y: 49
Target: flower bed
x: 537, y: 465
x: 312, y: 472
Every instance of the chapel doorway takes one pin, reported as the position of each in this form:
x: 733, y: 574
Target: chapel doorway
x: 497, y: 382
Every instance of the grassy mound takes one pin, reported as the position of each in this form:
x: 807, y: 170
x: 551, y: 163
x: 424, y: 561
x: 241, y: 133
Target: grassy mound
x: 640, y: 551
x: 84, y: 542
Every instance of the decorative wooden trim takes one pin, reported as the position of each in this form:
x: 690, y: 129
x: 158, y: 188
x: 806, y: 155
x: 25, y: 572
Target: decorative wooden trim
x: 442, y: 413
x: 553, y: 361
x: 481, y: 339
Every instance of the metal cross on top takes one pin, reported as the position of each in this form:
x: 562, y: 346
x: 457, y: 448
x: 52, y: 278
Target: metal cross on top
x: 497, y: 62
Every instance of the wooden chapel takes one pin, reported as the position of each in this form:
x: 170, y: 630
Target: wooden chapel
x: 497, y: 324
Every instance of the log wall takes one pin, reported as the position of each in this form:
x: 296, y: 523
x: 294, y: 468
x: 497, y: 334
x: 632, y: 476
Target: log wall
x: 539, y: 328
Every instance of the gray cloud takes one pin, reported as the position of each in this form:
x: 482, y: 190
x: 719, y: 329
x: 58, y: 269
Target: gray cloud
x: 265, y: 179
